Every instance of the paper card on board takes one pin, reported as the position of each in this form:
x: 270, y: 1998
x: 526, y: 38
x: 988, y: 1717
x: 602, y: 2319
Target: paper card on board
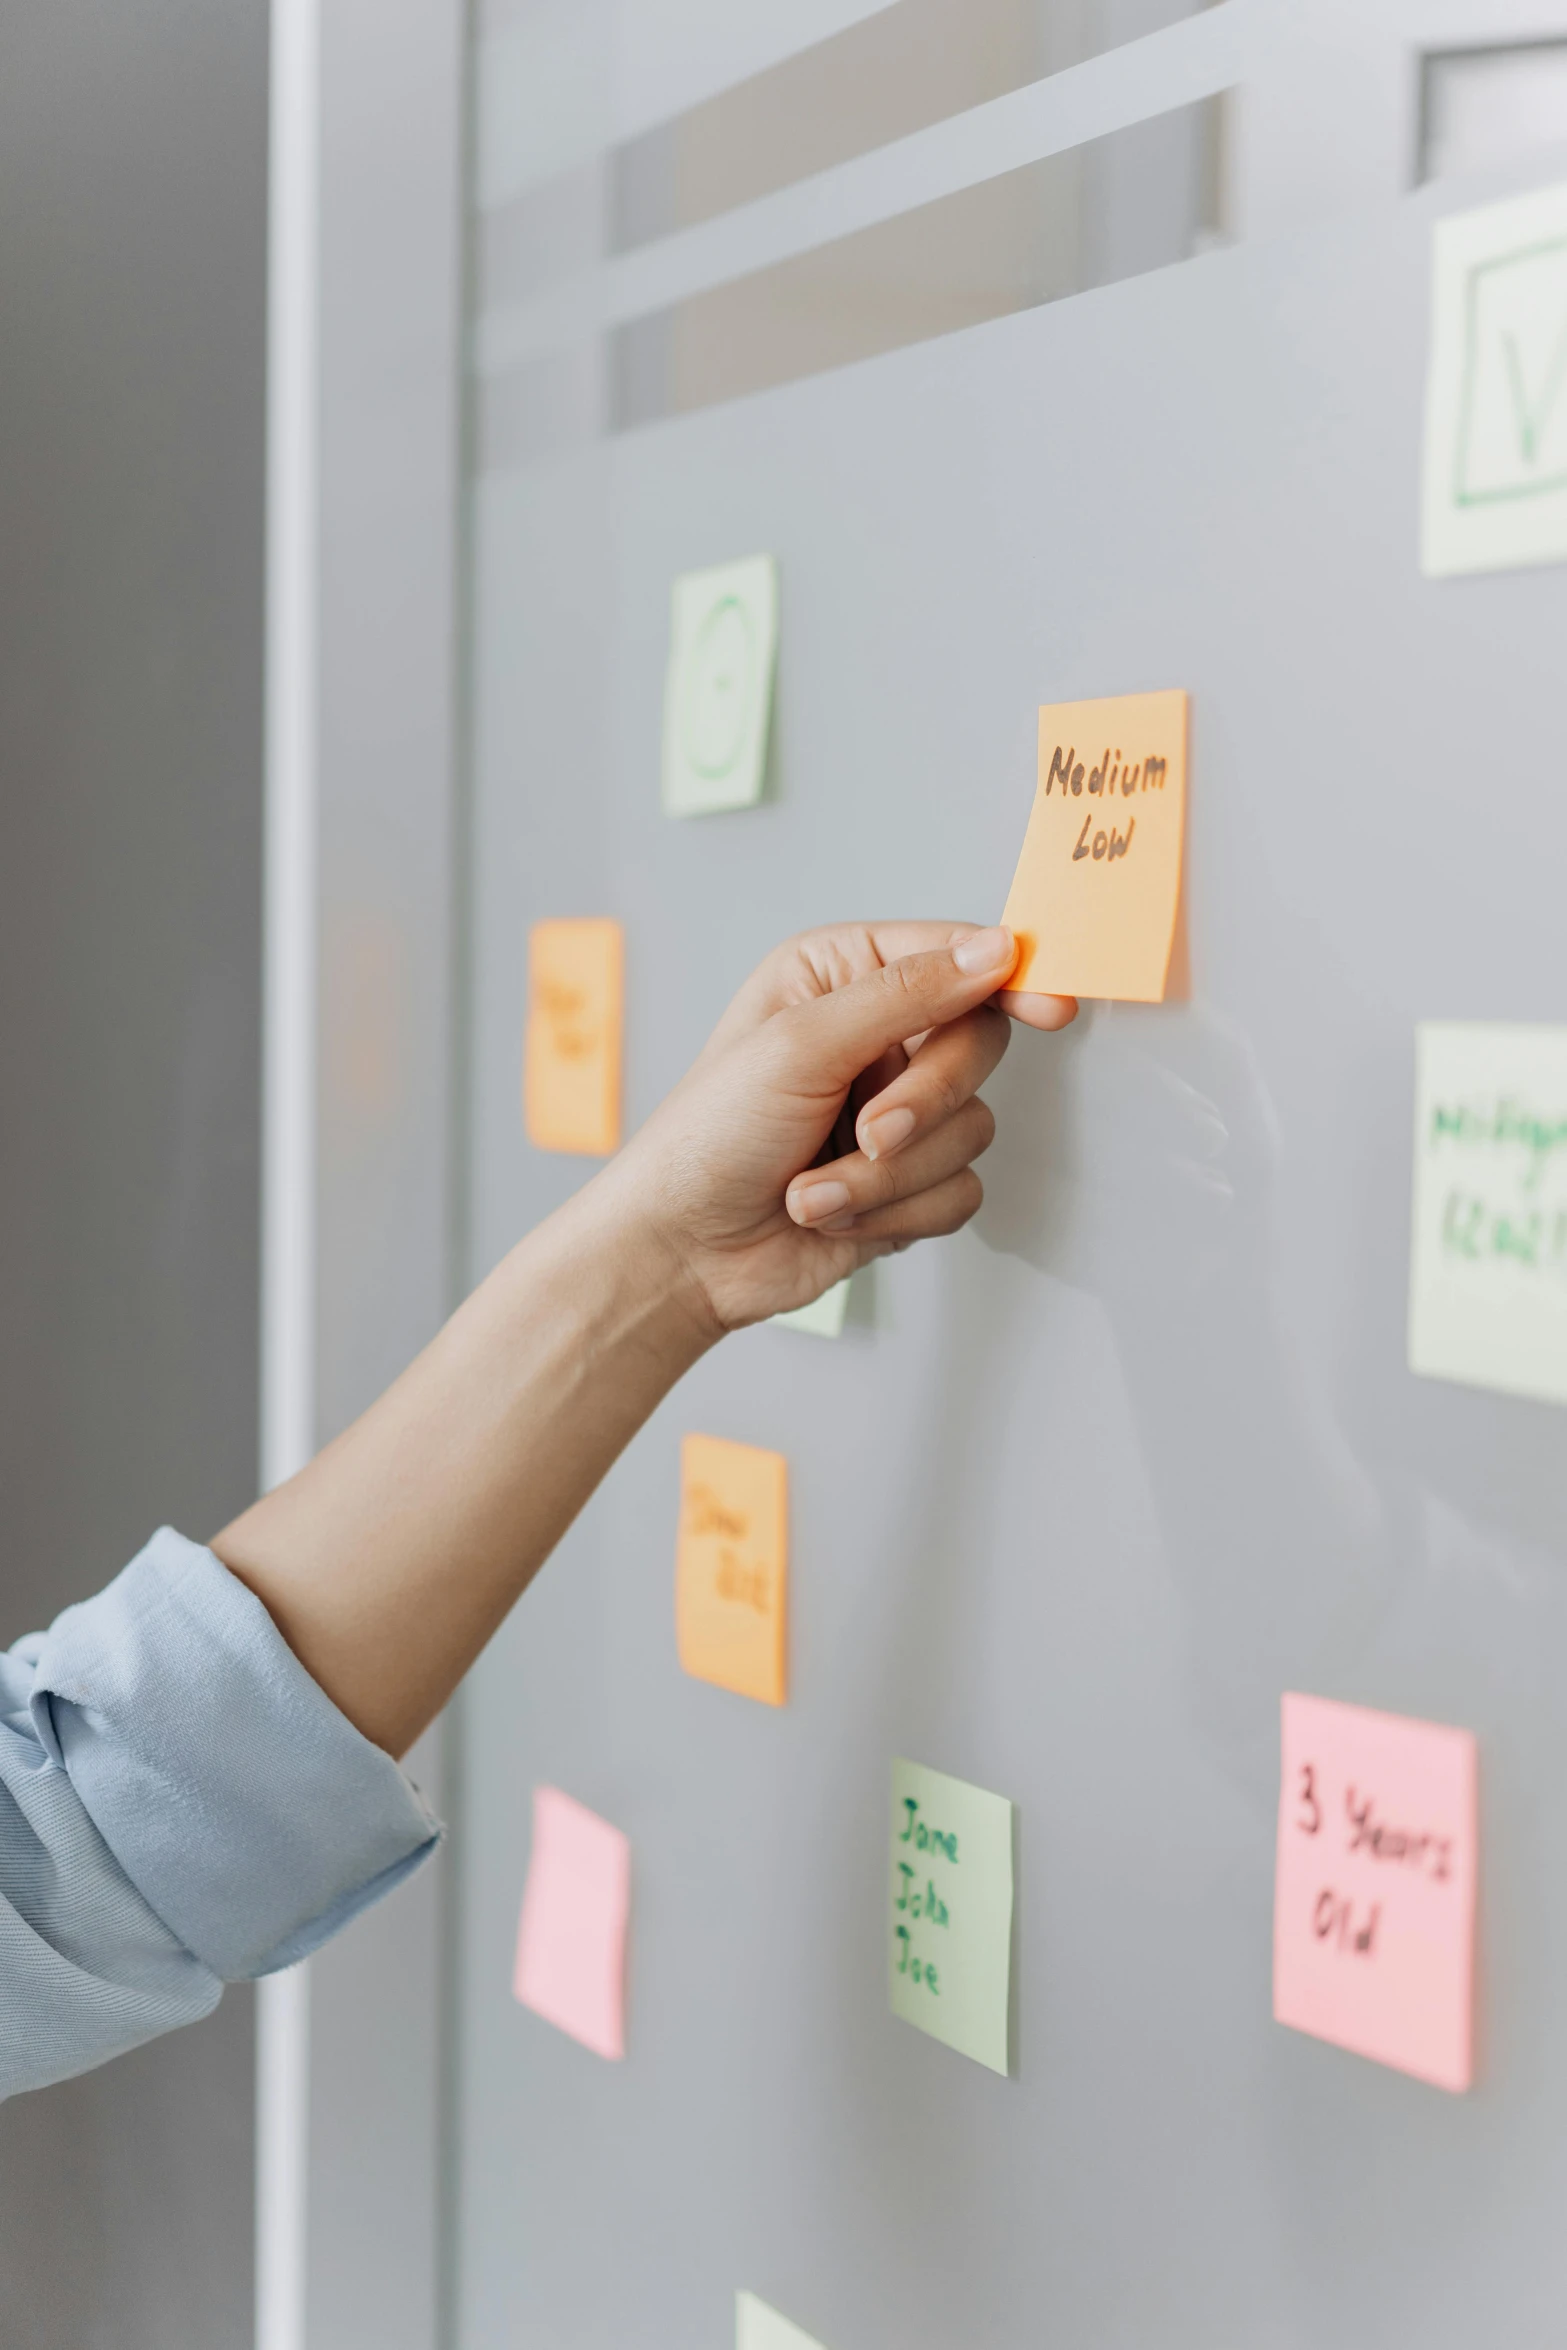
x: 759, y: 2328
x: 1488, y: 1257
x: 571, y: 1938
x: 950, y: 1911
x: 1094, y: 898
x: 718, y: 692
x: 1374, y: 1901
x: 1495, y: 474
x: 823, y: 1317
x: 731, y: 1571
x: 571, y: 1062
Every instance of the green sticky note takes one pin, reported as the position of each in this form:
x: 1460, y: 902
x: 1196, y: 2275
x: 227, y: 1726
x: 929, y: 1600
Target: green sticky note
x: 759, y: 2328
x: 1495, y: 491
x: 950, y: 1919
x: 1488, y: 1261
x: 823, y: 1317
x: 718, y: 694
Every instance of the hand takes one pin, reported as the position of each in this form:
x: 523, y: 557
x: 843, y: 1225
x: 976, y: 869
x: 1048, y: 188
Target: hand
x: 833, y: 1115
x: 389, y: 1561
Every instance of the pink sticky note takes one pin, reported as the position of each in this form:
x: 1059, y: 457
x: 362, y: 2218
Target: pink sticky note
x: 571, y: 1939
x: 1374, y: 1901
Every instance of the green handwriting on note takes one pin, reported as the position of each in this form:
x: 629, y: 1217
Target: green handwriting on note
x: 1502, y: 1131
x: 718, y: 694
x: 950, y: 1911
x: 1495, y: 490
x: 1488, y: 1262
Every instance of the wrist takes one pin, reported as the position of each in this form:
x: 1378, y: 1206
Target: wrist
x: 655, y: 1288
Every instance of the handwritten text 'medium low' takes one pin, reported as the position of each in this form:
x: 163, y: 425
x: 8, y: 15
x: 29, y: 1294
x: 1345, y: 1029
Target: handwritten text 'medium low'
x: 1108, y: 780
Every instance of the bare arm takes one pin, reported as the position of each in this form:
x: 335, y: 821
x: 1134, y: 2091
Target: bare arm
x: 390, y: 1560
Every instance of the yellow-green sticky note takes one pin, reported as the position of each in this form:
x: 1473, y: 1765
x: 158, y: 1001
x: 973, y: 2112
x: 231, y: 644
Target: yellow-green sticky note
x: 950, y: 1914
x: 759, y: 2328
x: 718, y: 694
x: 823, y: 1317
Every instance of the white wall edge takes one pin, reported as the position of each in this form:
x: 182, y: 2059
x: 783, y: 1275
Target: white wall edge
x: 288, y: 1034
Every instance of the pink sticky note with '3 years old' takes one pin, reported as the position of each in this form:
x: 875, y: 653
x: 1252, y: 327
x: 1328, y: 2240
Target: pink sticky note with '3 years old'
x: 571, y: 1941
x: 1374, y: 1903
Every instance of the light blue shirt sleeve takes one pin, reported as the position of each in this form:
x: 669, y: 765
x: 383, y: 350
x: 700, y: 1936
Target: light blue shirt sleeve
x: 181, y: 1806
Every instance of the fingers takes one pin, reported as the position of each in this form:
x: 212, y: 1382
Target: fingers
x: 844, y: 1195
x: 869, y: 1083
x: 832, y: 1039
x: 946, y: 1207
x: 818, y: 962
x: 1038, y: 1011
x: 946, y: 1071
x: 825, y: 962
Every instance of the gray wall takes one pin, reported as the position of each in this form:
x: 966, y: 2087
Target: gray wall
x: 1092, y: 1484
x: 132, y: 285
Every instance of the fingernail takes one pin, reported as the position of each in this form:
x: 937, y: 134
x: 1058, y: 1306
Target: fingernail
x: 881, y: 1135
x: 818, y: 1200
x: 987, y: 950
x: 837, y: 1224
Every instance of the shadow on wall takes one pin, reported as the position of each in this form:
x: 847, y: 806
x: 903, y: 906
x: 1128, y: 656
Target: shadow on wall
x: 1141, y: 1168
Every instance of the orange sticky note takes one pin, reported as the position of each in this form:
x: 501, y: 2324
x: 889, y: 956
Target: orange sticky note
x: 571, y: 1939
x: 571, y: 1068
x: 1094, y: 897
x: 1374, y: 1899
x: 731, y: 1567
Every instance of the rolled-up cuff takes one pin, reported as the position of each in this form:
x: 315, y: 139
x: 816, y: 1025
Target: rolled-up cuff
x: 248, y: 1812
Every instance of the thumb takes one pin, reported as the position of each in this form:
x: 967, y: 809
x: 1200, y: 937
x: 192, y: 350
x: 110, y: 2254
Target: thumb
x: 846, y: 1031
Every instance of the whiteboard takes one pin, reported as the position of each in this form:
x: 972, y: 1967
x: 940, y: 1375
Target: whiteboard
x: 1077, y: 1495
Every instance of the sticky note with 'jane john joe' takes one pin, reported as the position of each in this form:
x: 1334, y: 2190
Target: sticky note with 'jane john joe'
x: 950, y: 1911
x: 731, y: 1570
x: 1374, y: 1901
x: 571, y: 1066
x: 1094, y: 899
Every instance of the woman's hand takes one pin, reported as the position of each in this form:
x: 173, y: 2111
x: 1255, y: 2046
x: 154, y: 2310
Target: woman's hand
x: 833, y: 1115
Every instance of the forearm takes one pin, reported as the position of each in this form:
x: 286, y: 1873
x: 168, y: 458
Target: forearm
x: 390, y: 1560
x: 198, y: 1807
